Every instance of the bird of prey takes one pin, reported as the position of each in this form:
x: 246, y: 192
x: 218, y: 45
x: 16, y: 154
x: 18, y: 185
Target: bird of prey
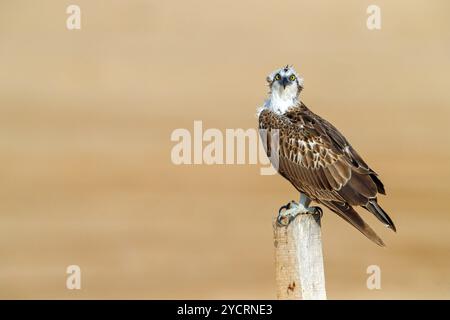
x: 317, y: 159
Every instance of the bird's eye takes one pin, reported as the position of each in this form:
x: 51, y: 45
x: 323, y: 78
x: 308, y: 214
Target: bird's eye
x: 277, y: 77
x: 292, y: 78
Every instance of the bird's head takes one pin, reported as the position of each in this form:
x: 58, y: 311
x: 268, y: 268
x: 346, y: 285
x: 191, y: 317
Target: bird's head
x: 285, y: 83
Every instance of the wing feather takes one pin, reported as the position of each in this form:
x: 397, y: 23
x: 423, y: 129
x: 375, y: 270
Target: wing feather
x: 319, y: 162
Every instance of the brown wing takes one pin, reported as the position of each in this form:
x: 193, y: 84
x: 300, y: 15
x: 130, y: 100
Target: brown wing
x: 311, y: 160
x: 319, y: 162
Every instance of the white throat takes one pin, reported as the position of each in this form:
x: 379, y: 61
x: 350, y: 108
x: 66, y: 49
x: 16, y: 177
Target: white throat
x: 280, y: 102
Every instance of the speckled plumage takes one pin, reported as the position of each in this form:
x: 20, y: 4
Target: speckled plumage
x: 319, y: 162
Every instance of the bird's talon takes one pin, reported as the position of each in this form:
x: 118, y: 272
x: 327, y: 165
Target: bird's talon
x: 317, y: 210
x: 287, y: 214
x: 281, y: 221
x: 287, y: 206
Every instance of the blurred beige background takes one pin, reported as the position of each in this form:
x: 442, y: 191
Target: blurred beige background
x: 86, y: 118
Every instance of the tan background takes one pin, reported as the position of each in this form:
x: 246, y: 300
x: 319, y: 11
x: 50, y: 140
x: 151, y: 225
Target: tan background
x: 86, y: 118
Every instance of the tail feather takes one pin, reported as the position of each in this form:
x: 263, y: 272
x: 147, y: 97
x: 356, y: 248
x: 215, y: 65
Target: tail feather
x: 380, y: 186
x: 351, y: 216
x: 375, y: 208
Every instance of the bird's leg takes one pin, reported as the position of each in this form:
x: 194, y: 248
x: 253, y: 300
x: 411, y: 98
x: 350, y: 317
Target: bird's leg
x: 306, y: 201
x: 290, y: 211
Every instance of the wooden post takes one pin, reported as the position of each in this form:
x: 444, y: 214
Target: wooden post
x: 299, y: 260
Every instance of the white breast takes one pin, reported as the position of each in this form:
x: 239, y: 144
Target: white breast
x: 278, y: 103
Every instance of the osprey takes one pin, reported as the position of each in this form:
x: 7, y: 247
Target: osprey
x: 317, y: 159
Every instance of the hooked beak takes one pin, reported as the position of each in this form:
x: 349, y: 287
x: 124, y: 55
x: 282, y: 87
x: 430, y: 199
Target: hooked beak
x: 284, y: 82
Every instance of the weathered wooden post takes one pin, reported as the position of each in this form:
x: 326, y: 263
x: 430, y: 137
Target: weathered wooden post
x: 298, y: 259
